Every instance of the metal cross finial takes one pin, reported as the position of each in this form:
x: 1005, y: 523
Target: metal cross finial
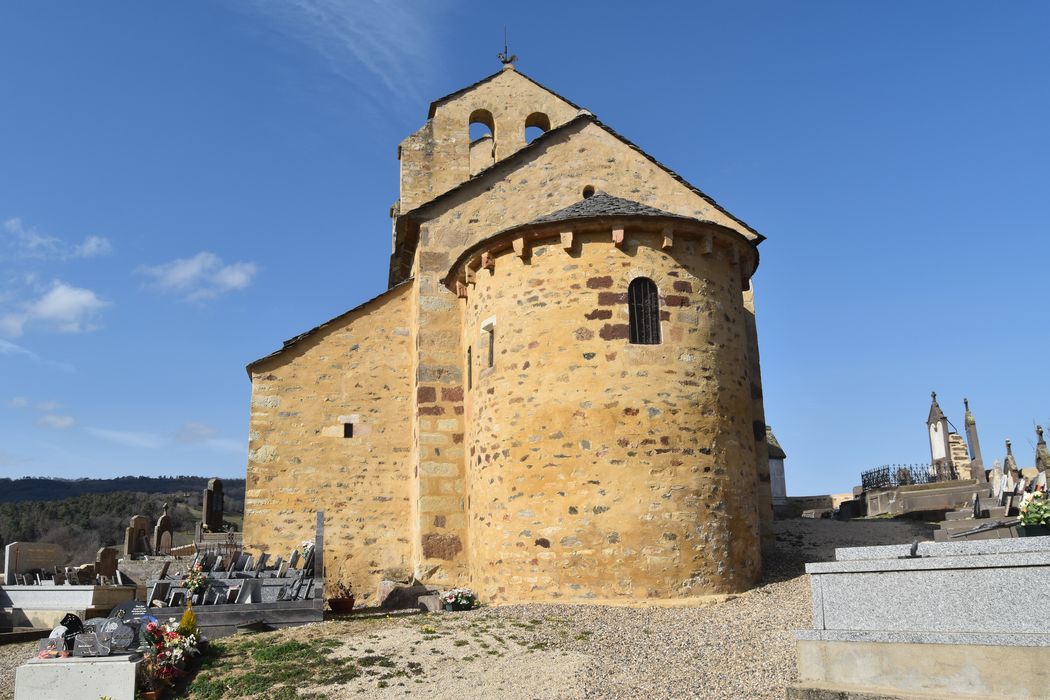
x: 505, y: 57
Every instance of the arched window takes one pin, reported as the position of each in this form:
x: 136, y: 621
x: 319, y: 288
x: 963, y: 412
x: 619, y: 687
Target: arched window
x: 536, y: 125
x: 643, y: 306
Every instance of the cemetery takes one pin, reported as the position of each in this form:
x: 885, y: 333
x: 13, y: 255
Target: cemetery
x: 537, y: 464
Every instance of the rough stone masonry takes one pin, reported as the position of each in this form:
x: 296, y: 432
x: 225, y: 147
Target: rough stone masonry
x: 513, y: 413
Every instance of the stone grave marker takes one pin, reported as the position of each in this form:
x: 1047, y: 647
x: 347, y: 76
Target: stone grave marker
x: 120, y: 635
x: 106, y: 562
x: 164, y: 570
x: 131, y: 610
x: 158, y: 594
x: 89, y: 644
x: 163, y: 533
x: 20, y: 557
x: 135, y: 539
x: 211, y: 515
x: 293, y: 559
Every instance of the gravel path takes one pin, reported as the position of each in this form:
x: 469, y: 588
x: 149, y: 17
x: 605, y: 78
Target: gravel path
x: 11, y: 657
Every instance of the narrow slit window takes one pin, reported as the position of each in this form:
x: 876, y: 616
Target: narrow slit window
x: 489, y: 329
x: 643, y: 307
x: 348, y: 430
x: 470, y: 368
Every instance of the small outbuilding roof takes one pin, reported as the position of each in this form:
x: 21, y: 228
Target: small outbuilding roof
x: 775, y: 450
x: 602, y: 204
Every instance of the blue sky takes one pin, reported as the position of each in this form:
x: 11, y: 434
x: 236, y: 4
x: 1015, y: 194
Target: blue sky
x: 185, y: 185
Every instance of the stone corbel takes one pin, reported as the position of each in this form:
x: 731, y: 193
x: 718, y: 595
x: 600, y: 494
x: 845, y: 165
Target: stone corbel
x: 487, y: 261
x: 461, y: 290
x: 566, y: 240
x: 468, y: 273
x: 617, y: 236
x: 519, y: 247
x: 668, y: 238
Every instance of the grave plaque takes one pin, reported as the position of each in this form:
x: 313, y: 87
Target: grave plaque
x: 131, y: 610
x: 72, y: 626
x: 89, y: 644
x: 50, y: 644
x: 120, y: 635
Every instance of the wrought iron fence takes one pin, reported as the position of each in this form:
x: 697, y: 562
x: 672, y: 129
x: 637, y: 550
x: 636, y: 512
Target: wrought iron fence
x: 891, y: 476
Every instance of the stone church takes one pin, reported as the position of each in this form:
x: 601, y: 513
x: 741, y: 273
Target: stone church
x: 558, y: 396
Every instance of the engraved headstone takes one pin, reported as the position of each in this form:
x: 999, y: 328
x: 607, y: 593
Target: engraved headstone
x: 212, y: 507
x: 89, y: 644
x: 131, y: 610
x: 135, y: 538
x: 120, y: 635
x: 163, y: 533
x: 106, y: 562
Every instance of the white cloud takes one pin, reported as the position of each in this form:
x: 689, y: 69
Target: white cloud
x: 227, y: 445
x: 149, y: 441
x: 53, y: 421
x: 93, y: 246
x: 42, y: 406
x: 393, y: 40
x: 9, y: 349
x: 63, y: 308
x: 204, y: 276
x: 9, y: 460
x: 196, y: 432
x: 27, y: 242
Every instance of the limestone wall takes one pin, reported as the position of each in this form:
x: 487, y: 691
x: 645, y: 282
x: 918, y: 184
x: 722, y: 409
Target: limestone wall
x: 357, y: 370
x: 598, y: 469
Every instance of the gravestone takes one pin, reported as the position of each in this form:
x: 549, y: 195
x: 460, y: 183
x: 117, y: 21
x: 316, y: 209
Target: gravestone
x: 163, y: 533
x: 135, y: 537
x: 130, y: 611
x: 71, y: 626
x: 211, y: 509
x: 20, y: 557
x: 106, y: 562
x: 119, y: 635
x: 158, y: 595
x: 89, y: 644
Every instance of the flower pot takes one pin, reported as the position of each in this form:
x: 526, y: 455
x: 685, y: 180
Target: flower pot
x: 456, y: 607
x: 152, y: 694
x: 1033, y: 530
x: 341, y: 605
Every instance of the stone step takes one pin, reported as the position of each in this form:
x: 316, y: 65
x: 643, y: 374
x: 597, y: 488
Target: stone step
x: 1001, y: 533
x: 994, y: 512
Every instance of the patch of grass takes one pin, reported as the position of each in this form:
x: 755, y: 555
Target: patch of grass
x: 460, y: 643
x: 375, y: 660
x: 262, y: 667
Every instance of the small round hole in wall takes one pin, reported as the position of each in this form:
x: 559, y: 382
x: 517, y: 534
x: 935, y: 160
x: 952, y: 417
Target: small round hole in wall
x: 588, y: 191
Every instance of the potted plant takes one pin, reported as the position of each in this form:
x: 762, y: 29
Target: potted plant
x: 459, y: 599
x: 168, y: 651
x: 195, y: 582
x: 342, y: 598
x: 1035, y: 515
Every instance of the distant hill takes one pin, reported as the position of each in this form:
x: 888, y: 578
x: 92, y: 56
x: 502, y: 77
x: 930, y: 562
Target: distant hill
x: 42, y: 489
x: 85, y: 514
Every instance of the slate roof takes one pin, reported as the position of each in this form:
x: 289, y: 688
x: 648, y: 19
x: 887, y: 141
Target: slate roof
x: 602, y: 204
